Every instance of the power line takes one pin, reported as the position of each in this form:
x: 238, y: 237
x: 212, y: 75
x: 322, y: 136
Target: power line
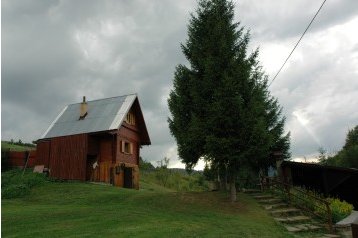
x: 298, y: 42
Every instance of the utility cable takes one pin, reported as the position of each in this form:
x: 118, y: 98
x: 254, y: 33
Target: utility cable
x: 297, y: 42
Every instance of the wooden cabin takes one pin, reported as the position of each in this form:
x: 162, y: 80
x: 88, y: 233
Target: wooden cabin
x: 96, y: 141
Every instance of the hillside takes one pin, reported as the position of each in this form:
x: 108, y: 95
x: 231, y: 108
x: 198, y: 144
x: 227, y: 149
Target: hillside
x: 6, y: 145
x: 72, y: 209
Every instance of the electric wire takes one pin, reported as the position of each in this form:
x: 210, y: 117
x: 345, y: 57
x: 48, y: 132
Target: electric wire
x: 278, y: 72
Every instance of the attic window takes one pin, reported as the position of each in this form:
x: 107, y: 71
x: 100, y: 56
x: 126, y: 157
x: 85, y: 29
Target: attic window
x: 130, y: 118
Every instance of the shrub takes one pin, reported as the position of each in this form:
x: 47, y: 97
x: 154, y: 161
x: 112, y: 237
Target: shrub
x: 16, y: 185
x: 340, y: 209
x: 15, y: 191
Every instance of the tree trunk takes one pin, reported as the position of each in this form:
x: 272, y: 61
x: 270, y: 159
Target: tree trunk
x: 227, y: 188
x: 232, y: 190
x: 222, y: 182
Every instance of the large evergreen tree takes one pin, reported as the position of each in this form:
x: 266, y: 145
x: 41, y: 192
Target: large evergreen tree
x: 221, y: 108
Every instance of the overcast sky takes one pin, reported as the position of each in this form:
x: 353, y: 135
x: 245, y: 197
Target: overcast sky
x: 54, y: 52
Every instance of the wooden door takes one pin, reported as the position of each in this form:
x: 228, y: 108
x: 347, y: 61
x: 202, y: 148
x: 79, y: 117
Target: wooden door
x: 90, y: 169
x: 128, y: 177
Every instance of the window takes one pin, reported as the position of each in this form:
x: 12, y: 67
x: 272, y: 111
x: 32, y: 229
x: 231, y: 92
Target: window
x: 127, y: 147
x: 130, y: 118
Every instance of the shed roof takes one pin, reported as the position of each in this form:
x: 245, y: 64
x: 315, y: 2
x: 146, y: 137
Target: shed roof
x: 103, y: 115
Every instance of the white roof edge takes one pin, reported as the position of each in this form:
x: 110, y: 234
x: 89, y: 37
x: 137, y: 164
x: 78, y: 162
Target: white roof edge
x: 126, y: 106
x: 53, y: 123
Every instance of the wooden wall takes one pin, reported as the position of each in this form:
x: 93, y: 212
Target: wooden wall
x: 128, y: 133
x: 119, y: 177
x: 43, y: 153
x: 93, y: 145
x: 73, y: 157
x: 18, y: 158
x: 68, y: 157
x: 103, y: 173
x: 106, y: 149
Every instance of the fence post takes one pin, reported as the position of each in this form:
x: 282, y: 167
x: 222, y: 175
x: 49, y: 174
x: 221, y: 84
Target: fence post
x: 354, y: 227
x: 330, y: 224
x: 27, y: 154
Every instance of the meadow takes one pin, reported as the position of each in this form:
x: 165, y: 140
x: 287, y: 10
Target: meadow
x: 76, y: 209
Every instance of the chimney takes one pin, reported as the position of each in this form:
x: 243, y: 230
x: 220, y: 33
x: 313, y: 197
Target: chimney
x: 83, y: 108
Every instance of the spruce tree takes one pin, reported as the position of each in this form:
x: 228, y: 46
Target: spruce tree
x: 221, y: 108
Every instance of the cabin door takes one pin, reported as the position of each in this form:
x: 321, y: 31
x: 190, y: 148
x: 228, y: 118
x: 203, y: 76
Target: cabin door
x: 128, y: 177
x: 91, y: 167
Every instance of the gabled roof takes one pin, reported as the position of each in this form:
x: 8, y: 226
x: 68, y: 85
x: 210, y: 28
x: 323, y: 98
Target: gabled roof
x: 103, y: 115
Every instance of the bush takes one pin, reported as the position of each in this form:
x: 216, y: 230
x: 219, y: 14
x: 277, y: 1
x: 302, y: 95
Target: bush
x: 15, y: 191
x: 16, y: 185
x: 340, y: 209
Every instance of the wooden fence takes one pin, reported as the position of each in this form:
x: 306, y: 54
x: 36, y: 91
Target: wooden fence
x: 18, y: 159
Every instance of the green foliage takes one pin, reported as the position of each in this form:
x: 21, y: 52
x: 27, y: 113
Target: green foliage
x: 15, y: 191
x: 175, y: 180
x: 145, y: 165
x: 339, y: 209
x: 352, y: 138
x: 247, y: 177
x: 221, y: 107
x: 209, y: 173
x: 16, y: 146
x: 162, y: 174
x: 14, y: 185
x: 348, y: 155
x: 322, y: 155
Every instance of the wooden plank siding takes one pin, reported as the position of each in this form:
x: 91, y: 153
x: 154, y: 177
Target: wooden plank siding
x: 119, y: 177
x: 102, y: 173
x: 106, y: 150
x: 18, y: 158
x: 43, y: 153
x: 68, y: 157
x: 129, y: 134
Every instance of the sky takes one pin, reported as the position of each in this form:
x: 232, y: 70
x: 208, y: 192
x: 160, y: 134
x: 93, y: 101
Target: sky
x: 54, y: 52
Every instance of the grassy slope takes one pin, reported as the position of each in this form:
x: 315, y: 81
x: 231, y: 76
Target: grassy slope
x: 88, y: 210
x: 7, y: 145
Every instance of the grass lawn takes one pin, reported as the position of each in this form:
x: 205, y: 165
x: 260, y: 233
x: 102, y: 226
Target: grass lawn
x: 72, y: 209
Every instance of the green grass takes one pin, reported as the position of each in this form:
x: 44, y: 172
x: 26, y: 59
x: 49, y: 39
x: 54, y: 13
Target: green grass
x: 5, y: 145
x: 73, y: 209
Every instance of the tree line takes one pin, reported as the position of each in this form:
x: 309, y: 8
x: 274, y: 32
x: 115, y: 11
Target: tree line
x: 347, y: 156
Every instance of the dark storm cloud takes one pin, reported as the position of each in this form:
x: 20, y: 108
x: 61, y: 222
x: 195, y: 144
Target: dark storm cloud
x: 318, y: 91
x: 54, y: 52
x: 276, y: 20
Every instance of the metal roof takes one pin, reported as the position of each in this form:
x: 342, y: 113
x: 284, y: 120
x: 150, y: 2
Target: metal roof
x: 103, y: 115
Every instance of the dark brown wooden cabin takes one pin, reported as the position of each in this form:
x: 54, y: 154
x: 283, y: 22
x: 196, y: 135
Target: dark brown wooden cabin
x: 96, y: 141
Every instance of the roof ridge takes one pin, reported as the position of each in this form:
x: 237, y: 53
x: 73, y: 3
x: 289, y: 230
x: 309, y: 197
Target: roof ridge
x: 126, y: 95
